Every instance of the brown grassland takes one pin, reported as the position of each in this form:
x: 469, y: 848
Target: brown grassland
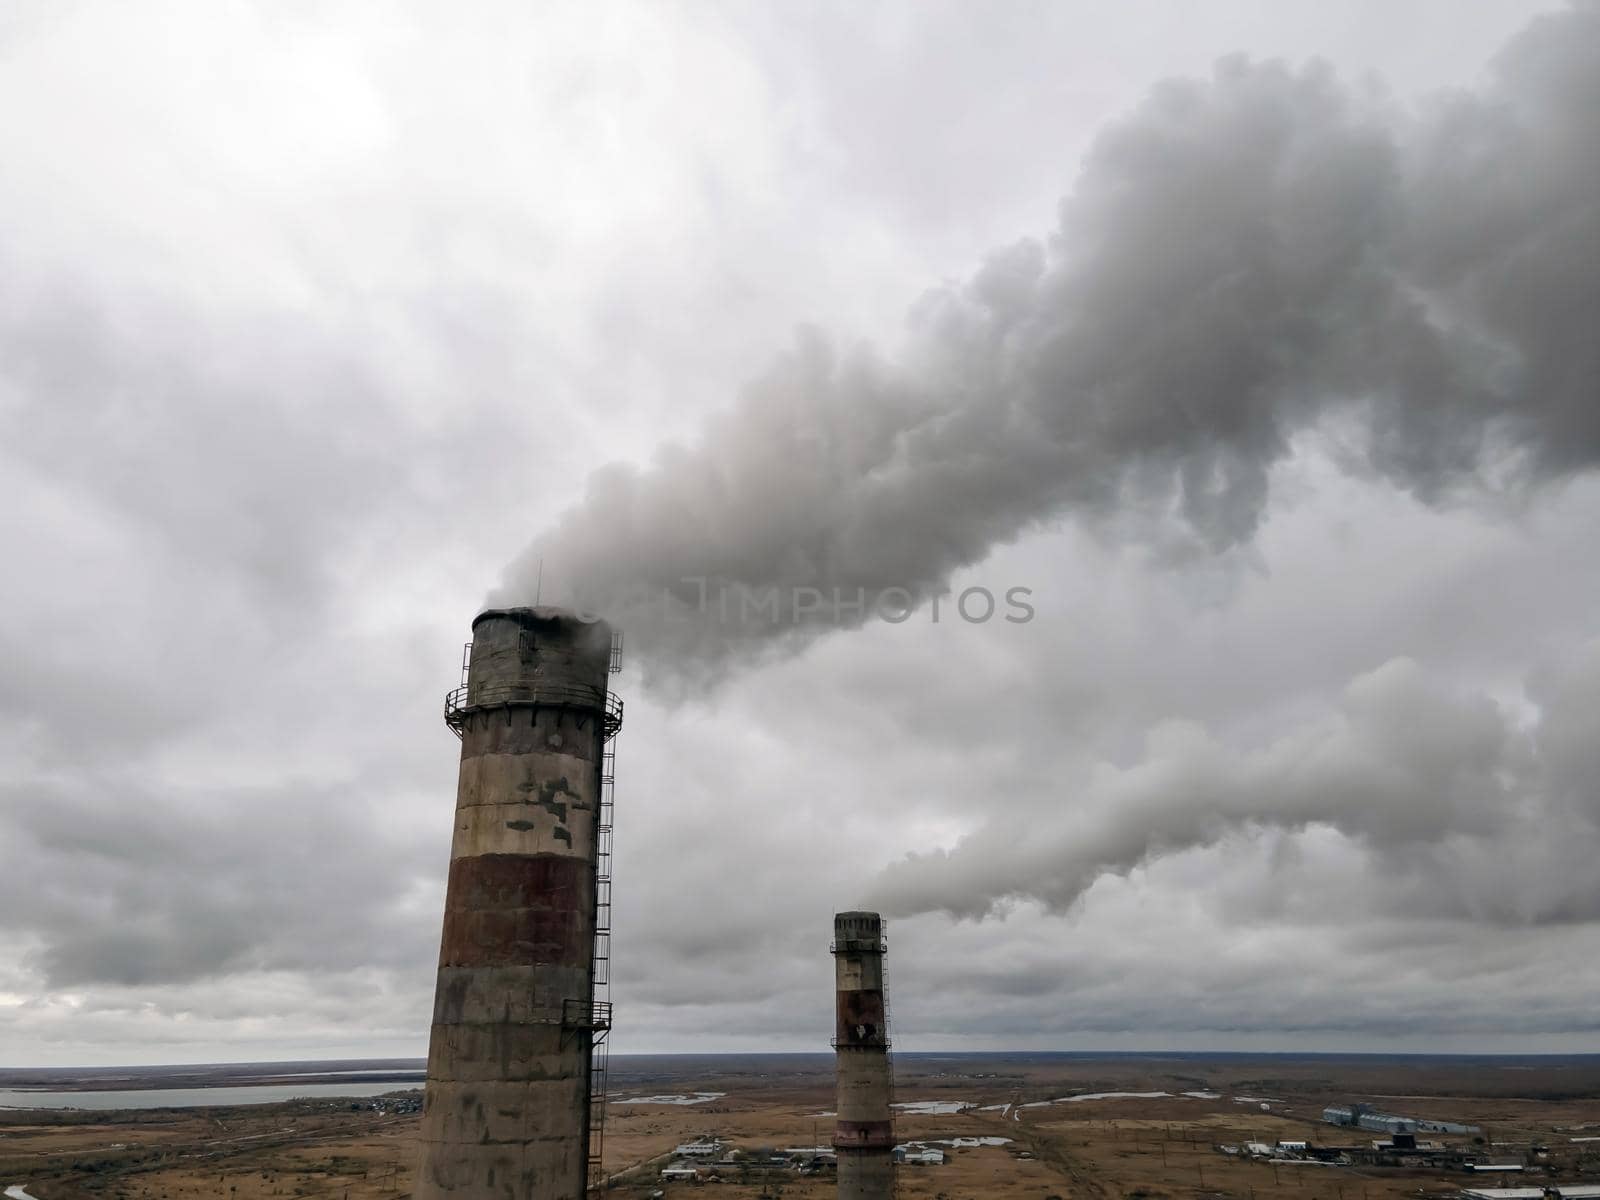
x: 1530, y: 1112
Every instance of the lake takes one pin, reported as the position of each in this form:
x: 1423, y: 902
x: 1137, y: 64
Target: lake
x: 196, y: 1097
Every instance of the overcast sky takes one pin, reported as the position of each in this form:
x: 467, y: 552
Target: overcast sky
x: 319, y: 324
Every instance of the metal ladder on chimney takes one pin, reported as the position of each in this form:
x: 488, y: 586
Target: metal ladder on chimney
x: 601, y: 964
x: 888, y: 1051
x: 601, y: 967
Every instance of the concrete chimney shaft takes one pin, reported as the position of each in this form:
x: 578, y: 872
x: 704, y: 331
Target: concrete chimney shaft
x: 507, y: 1109
x: 863, y: 1135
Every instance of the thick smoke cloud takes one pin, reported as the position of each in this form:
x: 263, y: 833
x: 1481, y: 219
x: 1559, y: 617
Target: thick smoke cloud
x: 1244, y: 259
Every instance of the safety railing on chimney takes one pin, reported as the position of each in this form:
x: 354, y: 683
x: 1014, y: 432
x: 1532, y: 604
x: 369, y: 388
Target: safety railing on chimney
x: 592, y: 1016
x: 461, y: 703
x: 859, y: 946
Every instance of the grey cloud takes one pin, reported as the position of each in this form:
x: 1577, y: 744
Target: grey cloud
x: 272, y: 413
x: 1244, y: 259
x: 207, y: 434
x: 1154, y: 952
x: 1446, y: 788
x: 114, y: 884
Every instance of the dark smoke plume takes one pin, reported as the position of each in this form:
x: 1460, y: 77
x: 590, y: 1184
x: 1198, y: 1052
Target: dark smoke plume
x: 1243, y: 260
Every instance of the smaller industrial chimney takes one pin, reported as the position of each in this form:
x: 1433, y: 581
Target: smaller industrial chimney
x: 863, y: 1135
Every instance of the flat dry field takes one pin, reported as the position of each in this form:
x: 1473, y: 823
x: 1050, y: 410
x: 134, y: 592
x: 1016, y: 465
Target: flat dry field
x: 1145, y: 1146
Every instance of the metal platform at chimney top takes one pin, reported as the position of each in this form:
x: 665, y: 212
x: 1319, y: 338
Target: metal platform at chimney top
x: 859, y: 946
x: 462, y: 703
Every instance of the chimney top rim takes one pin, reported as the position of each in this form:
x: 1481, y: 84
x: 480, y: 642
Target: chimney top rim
x: 544, y: 613
x: 858, y: 915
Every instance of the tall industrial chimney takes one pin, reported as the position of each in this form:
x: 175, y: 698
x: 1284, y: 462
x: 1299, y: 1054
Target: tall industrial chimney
x: 518, y: 1028
x: 863, y: 1135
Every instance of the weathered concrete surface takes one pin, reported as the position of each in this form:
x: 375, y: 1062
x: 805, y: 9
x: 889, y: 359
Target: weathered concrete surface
x: 506, y: 1114
x: 866, y: 1174
x: 863, y: 1134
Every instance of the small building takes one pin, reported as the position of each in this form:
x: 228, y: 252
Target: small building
x: 817, y: 1164
x: 680, y: 1172
x: 704, y: 1148
x: 1337, y: 1155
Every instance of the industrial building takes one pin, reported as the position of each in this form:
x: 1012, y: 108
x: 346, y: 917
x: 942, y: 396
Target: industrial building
x: 515, y: 1090
x: 863, y: 1135
x: 1364, y: 1116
